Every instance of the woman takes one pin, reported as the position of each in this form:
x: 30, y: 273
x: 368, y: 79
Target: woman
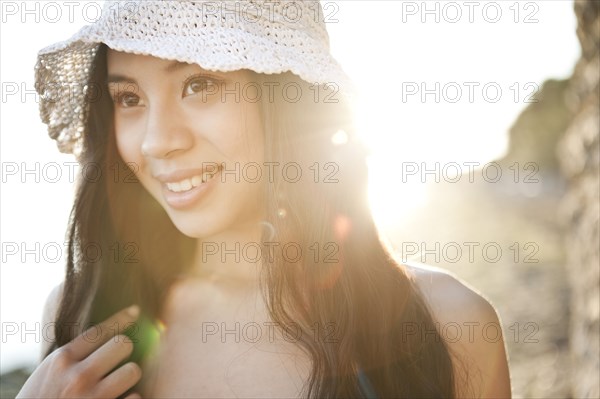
x: 221, y: 223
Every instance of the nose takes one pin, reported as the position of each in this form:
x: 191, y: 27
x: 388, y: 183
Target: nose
x: 166, y: 132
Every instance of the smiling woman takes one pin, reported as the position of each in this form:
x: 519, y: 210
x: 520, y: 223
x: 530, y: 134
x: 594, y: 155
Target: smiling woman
x: 162, y: 110
x: 233, y: 196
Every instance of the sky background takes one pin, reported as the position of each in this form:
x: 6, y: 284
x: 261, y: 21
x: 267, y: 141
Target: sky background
x: 387, y: 47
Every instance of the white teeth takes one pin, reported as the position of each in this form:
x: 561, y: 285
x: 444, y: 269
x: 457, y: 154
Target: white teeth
x: 188, y: 184
x: 184, y: 185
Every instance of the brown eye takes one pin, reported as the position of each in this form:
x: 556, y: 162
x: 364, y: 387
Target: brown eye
x: 127, y: 100
x: 197, y: 84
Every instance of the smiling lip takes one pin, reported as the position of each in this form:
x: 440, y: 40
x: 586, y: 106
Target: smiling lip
x: 183, y: 174
x: 184, y: 188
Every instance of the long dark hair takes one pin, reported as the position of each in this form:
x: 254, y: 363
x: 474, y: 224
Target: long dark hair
x: 124, y: 249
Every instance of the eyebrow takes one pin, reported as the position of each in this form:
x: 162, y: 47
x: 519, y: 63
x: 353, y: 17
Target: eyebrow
x: 119, y: 79
x: 175, y: 65
x: 171, y: 67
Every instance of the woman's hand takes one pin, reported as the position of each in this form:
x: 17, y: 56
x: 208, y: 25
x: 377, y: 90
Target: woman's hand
x: 83, y: 368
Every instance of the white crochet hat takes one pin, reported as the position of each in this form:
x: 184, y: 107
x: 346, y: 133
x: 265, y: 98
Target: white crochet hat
x: 264, y: 36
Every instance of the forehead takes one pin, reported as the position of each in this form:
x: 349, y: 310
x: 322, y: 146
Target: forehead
x: 122, y: 62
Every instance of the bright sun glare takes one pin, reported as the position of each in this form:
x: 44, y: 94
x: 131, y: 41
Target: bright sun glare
x: 447, y: 90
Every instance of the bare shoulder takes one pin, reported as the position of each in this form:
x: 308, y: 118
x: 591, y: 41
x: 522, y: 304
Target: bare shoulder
x: 470, y: 325
x: 49, y: 316
x: 448, y: 296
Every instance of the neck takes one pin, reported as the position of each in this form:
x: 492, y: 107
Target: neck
x: 231, y: 257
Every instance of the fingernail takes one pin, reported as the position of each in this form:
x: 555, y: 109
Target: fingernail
x: 133, y: 311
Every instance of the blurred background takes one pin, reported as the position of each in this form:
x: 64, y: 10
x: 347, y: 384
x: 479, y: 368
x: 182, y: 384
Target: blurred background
x: 482, y: 120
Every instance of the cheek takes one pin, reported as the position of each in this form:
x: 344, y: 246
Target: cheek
x: 128, y: 143
x: 128, y: 147
x: 246, y: 141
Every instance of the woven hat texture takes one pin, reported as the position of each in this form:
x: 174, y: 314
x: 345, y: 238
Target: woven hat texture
x: 273, y: 36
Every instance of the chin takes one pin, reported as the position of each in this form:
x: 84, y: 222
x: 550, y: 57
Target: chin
x: 219, y: 213
x: 219, y: 221
x: 196, y: 227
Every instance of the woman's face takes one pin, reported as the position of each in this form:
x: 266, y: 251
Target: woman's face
x: 186, y: 142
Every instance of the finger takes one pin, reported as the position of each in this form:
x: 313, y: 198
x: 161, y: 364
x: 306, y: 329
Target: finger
x: 94, y: 337
x: 134, y: 395
x: 119, y: 381
x: 107, y: 357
